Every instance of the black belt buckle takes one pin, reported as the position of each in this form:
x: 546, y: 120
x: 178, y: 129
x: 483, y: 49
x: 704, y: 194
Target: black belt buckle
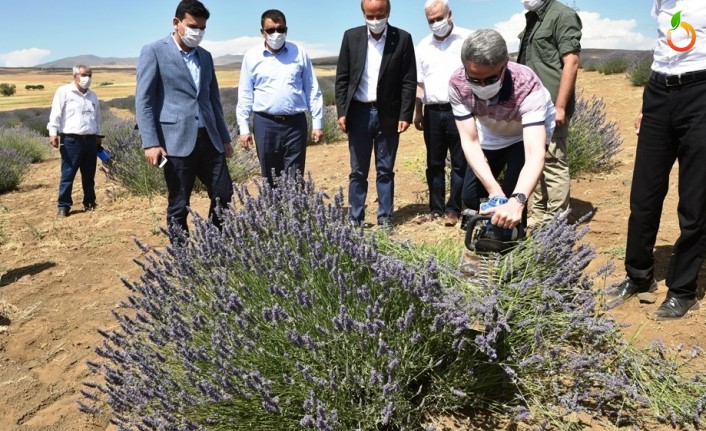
x: 672, y: 80
x: 279, y: 117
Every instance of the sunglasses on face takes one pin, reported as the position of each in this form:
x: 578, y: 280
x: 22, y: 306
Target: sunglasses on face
x: 487, y: 81
x: 275, y: 29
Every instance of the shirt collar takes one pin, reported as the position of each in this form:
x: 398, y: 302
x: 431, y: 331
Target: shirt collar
x: 184, y: 53
x: 266, y: 51
x: 543, y: 9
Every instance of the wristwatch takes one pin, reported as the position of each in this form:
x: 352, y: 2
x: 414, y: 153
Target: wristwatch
x: 521, y: 198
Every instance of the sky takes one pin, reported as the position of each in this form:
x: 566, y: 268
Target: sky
x: 40, y: 31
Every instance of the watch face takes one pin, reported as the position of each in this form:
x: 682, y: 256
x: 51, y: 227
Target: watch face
x: 521, y: 197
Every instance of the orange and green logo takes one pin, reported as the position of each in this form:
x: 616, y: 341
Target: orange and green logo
x: 690, y: 32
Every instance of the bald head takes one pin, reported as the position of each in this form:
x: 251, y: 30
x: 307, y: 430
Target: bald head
x: 375, y: 5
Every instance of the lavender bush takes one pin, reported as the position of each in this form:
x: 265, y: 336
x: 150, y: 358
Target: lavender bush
x: 613, y: 64
x: 593, y: 139
x: 26, y: 141
x: 13, y: 166
x: 640, y: 70
x: 32, y: 118
x: 129, y: 168
x: 291, y: 319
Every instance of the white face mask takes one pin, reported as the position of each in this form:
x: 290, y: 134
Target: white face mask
x: 84, y: 82
x: 276, y: 40
x: 487, y: 92
x: 440, y: 28
x: 192, y: 36
x: 532, y: 4
x: 376, y: 26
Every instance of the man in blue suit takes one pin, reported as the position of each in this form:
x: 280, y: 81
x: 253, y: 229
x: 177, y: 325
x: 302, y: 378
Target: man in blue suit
x: 180, y: 116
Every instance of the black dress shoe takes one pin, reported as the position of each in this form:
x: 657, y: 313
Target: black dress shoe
x: 62, y: 212
x: 626, y: 290
x: 676, y: 308
x: 90, y: 207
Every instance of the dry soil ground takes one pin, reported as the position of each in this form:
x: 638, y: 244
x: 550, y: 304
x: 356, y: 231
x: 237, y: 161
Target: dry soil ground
x: 60, y: 277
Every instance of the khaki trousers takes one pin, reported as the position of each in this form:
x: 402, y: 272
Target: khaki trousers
x: 552, y: 192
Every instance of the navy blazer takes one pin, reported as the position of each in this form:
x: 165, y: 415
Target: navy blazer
x: 166, y: 100
x: 397, y: 82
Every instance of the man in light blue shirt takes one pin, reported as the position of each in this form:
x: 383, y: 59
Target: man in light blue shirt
x: 278, y: 84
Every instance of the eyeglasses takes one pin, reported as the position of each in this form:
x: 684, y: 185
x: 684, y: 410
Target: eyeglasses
x: 272, y: 30
x: 486, y: 81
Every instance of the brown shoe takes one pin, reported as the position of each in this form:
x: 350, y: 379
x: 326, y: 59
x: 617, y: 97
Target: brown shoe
x: 451, y: 219
x: 425, y: 218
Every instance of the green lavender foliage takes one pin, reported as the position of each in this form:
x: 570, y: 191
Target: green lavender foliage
x: 289, y: 318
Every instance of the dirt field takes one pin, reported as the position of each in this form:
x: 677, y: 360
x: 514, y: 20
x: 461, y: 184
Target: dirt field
x: 61, y: 277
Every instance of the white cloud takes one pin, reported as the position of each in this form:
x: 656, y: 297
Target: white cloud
x: 240, y: 45
x: 598, y: 32
x: 24, y: 57
x: 510, y: 29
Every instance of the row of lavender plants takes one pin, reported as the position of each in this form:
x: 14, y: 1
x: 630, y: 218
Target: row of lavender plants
x: 635, y: 65
x: 19, y: 148
x: 593, y: 139
x: 289, y: 318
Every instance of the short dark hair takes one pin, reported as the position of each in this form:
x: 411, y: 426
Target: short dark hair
x: 273, y: 14
x: 193, y: 7
x: 389, y: 6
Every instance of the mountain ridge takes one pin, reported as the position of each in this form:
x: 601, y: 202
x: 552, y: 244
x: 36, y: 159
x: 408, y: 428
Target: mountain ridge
x: 233, y: 60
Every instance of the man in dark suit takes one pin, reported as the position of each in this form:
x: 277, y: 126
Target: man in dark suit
x: 180, y: 116
x: 376, y: 82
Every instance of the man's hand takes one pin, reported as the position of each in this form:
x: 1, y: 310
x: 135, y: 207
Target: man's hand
x: 560, y: 116
x: 54, y: 141
x: 153, y: 154
x: 342, y: 124
x: 228, y: 149
x: 316, y: 135
x: 507, y: 215
x: 245, y: 140
x: 402, y: 126
x: 638, y: 122
x: 418, y: 121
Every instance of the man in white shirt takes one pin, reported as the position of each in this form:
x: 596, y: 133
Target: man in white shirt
x: 74, y: 128
x: 438, y: 55
x: 671, y: 127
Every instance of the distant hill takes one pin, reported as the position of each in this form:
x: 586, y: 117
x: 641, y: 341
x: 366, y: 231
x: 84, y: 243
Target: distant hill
x: 90, y: 60
x: 236, y: 60
x: 115, y: 62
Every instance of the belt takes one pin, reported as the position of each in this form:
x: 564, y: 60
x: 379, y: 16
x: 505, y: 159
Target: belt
x: 82, y: 137
x: 371, y: 105
x: 439, y: 107
x: 280, y: 118
x: 681, y: 79
x: 201, y: 133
